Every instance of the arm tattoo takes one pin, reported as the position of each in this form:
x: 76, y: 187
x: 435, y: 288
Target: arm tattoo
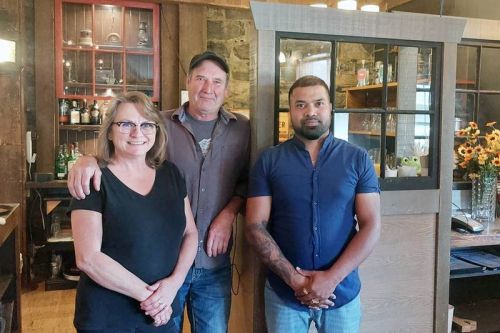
x: 269, y: 251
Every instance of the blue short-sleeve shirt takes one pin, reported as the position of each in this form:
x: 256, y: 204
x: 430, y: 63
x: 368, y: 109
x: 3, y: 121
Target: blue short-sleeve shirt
x: 312, y: 213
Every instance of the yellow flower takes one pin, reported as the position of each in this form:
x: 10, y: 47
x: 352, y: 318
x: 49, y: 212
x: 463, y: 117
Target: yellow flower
x: 461, y: 150
x: 473, y: 175
x: 491, y: 137
x: 478, y: 154
x: 482, y: 158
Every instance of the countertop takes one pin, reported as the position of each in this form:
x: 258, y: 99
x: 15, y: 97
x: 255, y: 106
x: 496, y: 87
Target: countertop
x: 489, y: 236
x: 6, y: 224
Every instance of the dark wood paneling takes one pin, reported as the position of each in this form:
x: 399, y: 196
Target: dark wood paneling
x: 169, y: 22
x: 11, y: 139
x: 46, y: 103
x: 192, y: 36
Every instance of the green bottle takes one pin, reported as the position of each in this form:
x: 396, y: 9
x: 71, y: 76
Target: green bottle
x: 61, y: 169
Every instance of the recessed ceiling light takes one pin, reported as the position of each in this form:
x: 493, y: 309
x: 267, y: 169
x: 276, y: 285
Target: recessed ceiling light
x: 347, y: 4
x: 319, y: 5
x: 370, y: 8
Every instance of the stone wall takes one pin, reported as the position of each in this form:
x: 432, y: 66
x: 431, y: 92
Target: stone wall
x: 228, y: 34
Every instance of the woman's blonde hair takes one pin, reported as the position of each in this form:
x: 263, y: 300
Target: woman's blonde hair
x: 105, y: 147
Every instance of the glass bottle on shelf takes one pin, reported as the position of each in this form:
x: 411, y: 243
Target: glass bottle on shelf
x: 71, y: 157
x: 63, y: 112
x: 74, y: 113
x: 77, y: 151
x: 362, y: 74
x: 66, y: 156
x: 379, y: 72
x: 95, y: 114
x: 60, y: 164
x: 85, y: 114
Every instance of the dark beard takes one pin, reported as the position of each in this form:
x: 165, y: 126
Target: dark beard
x: 312, y: 133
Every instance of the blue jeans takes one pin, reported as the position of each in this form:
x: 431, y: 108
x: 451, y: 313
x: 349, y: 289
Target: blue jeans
x: 282, y: 318
x: 207, y: 294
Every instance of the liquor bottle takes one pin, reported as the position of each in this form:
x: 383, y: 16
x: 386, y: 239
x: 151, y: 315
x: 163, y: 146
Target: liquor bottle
x: 66, y: 155
x: 104, y: 110
x: 71, y: 157
x: 95, y: 114
x: 74, y: 113
x: 60, y: 164
x: 63, y: 112
x: 85, y: 114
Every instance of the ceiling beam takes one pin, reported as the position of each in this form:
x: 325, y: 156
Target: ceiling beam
x: 385, y: 5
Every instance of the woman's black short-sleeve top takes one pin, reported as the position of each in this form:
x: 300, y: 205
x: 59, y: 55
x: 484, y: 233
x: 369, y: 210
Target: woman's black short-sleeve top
x: 141, y: 232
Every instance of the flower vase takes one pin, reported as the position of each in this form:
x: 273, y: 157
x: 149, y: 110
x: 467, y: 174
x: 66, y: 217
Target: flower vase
x: 484, y: 191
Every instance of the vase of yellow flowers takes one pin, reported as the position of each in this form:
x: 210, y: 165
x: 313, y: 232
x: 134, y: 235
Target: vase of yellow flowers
x: 479, y: 156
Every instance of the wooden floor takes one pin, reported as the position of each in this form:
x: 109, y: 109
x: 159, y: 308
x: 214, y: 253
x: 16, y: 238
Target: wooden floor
x: 48, y: 311
x: 52, y: 312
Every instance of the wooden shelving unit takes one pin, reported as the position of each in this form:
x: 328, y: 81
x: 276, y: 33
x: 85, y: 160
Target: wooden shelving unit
x: 53, y: 198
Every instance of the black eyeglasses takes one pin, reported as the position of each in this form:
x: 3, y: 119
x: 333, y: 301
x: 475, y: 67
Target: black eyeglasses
x: 126, y: 127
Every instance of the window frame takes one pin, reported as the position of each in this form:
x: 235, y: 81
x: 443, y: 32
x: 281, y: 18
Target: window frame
x: 458, y: 183
x: 397, y: 183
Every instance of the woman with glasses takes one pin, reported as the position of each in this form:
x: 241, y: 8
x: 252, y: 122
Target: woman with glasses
x: 135, y: 238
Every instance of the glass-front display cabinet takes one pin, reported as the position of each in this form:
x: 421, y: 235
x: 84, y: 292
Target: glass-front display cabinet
x: 477, y: 94
x: 102, y: 48
x: 106, y: 47
x: 384, y: 96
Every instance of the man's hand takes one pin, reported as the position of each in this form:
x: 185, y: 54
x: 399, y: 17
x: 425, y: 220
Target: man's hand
x: 80, y: 174
x: 318, y: 291
x: 220, y: 232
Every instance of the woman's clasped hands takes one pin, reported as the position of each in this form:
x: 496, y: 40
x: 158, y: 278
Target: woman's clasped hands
x: 159, y: 304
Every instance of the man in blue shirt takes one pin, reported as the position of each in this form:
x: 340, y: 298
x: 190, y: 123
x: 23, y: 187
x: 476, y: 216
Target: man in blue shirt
x: 313, y: 216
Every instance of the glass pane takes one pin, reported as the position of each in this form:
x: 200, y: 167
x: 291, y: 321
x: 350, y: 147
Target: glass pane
x: 77, y: 25
x: 359, y: 75
x: 108, y: 26
x: 298, y: 58
x: 489, y: 68
x: 362, y: 130
x: 464, y: 109
x: 414, y: 68
x: 109, y: 91
x: 77, y: 72
x: 139, y: 28
x: 108, y: 68
x: 412, y: 145
x: 140, y: 73
x: 285, y: 129
x: 108, y: 73
x: 466, y: 67
x: 488, y: 110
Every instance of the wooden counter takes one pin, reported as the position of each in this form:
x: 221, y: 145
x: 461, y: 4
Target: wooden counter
x: 48, y: 184
x: 489, y: 236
